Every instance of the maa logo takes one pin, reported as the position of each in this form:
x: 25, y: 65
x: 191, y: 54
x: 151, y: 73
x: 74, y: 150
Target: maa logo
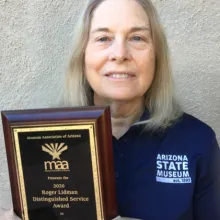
x: 55, y: 150
x: 172, y: 169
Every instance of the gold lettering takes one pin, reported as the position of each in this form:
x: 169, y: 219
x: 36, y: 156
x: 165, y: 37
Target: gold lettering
x: 79, y: 199
x: 59, y: 165
x: 54, y: 178
x: 51, y: 199
x: 56, y: 165
x: 65, y: 165
x: 74, y: 136
x: 65, y: 177
x: 48, y: 192
x: 61, y: 206
x: 67, y: 192
x: 49, y: 165
x: 30, y: 138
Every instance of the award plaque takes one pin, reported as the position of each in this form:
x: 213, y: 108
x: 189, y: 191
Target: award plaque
x: 61, y: 163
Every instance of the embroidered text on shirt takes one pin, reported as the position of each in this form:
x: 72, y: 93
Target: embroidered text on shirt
x: 172, y: 169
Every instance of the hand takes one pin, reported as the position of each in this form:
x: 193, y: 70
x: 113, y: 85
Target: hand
x: 124, y: 218
x: 6, y: 214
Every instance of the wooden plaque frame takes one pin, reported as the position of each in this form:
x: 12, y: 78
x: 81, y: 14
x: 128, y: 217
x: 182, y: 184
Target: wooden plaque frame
x: 24, y: 131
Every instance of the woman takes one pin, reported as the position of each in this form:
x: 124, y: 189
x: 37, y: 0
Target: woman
x: 166, y: 162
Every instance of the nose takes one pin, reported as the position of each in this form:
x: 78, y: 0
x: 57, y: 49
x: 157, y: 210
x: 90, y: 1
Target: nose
x: 119, y: 51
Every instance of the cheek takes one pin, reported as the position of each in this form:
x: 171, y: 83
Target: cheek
x: 88, y: 58
x: 147, y: 68
x: 93, y: 60
x: 147, y: 63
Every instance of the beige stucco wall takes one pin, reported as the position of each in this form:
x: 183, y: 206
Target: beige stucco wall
x: 35, y: 38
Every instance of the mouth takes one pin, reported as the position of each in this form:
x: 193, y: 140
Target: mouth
x: 119, y: 75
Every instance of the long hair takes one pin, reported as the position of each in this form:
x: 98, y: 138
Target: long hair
x: 159, y: 99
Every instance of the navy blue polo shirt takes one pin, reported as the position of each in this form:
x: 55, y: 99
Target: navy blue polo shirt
x: 170, y: 175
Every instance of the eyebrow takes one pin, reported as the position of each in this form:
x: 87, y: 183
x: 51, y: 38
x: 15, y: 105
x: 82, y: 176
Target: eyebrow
x: 132, y: 29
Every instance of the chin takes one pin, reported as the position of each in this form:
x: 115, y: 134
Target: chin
x: 121, y: 97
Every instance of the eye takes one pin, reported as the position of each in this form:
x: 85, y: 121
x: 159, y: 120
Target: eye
x: 137, y: 38
x: 103, y: 39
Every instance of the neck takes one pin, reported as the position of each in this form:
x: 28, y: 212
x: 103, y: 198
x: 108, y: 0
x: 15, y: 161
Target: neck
x: 123, y: 114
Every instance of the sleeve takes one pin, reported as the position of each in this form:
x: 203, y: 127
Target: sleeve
x: 207, y: 188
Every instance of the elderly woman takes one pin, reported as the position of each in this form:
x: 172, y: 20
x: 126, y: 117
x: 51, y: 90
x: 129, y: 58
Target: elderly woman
x: 167, y: 163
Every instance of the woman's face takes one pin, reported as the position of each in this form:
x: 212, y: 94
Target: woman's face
x: 120, y: 57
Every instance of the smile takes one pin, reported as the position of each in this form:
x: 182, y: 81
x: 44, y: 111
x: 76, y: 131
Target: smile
x: 119, y: 75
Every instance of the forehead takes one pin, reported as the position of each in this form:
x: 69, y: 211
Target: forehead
x: 119, y: 13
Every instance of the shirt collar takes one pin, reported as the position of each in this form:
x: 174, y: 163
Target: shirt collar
x: 145, y: 116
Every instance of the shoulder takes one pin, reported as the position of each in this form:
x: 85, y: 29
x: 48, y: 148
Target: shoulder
x: 190, y: 126
x: 191, y: 134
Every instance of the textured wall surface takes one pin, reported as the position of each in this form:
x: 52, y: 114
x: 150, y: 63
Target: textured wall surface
x: 35, y: 38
